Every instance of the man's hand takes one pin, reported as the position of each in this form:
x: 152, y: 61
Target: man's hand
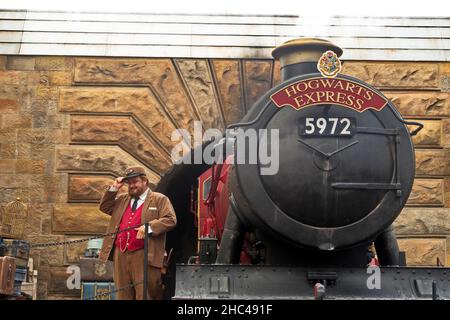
x: 141, y: 232
x: 118, y: 183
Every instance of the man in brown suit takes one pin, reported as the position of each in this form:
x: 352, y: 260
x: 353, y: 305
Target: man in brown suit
x: 140, y: 205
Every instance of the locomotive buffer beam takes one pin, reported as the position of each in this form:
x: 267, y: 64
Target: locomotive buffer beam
x: 284, y: 282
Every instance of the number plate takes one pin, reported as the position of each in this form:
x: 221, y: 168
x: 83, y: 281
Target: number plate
x: 327, y: 126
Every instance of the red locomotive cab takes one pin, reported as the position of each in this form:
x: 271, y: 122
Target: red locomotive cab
x: 212, y: 206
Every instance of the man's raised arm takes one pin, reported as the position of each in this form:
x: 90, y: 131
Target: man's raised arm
x: 109, y: 197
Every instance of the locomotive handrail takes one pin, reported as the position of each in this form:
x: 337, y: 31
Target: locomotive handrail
x: 414, y: 123
x: 409, y: 123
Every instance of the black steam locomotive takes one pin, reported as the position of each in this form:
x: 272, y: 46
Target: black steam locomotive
x: 345, y: 168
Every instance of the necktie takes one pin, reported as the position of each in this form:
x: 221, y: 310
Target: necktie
x: 134, y: 206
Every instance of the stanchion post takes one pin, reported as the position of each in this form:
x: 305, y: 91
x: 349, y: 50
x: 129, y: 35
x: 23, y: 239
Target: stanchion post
x: 145, y: 261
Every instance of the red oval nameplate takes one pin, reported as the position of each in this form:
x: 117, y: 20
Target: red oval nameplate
x: 338, y: 91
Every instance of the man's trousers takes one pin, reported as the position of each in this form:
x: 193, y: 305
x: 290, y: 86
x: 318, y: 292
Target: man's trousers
x: 129, y: 269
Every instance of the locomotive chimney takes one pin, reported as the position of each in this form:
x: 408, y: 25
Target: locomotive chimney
x: 300, y: 56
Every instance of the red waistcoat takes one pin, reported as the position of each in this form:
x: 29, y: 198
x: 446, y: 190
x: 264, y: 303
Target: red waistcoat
x: 127, y: 240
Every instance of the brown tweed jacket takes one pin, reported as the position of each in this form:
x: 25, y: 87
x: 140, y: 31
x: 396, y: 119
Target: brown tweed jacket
x: 157, y: 210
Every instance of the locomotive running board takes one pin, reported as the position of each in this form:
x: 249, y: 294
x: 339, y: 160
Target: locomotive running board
x: 281, y: 282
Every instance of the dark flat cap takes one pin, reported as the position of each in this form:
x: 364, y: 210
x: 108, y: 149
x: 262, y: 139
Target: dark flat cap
x: 132, y: 172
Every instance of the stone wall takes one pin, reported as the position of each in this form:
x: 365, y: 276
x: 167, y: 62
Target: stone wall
x: 70, y: 125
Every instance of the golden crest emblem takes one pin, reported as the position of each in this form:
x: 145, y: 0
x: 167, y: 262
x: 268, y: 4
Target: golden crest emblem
x: 329, y: 64
x: 100, y: 269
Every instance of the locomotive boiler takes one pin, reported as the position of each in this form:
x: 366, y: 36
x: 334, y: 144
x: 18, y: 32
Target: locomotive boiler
x: 345, y: 168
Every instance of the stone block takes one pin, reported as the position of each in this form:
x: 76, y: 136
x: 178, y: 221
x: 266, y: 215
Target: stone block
x: 43, y: 120
x: 394, y: 74
x: 276, y: 78
x: 229, y: 87
x: 34, y: 136
x: 433, y: 104
x: 7, y: 166
x: 257, y: 80
x: 170, y: 90
x: 423, y: 251
x: 72, y: 252
x: 444, y: 72
x: 48, y: 256
x: 55, y: 186
x: 8, y: 150
x: 54, y: 78
x: 30, y: 166
x: 37, y: 195
x: 44, y: 106
x: 61, y: 78
x: 46, y: 226
x: 446, y: 133
x: 9, y: 105
x: 447, y: 192
x: 41, y: 210
x: 12, y: 91
x: 33, y: 225
x: 35, y: 79
x: 3, y: 62
x: 41, y: 150
x: 107, y: 70
x: 9, y: 194
x: 79, y: 219
x: 427, y: 192
x: 447, y: 263
x: 199, y: 82
x: 54, y: 63
x: 124, y: 132
x: 433, y: 162
x: 15, y: 180
x: 23, y: 150
x: 39, y: 120
x: 16, y: 121
x: 107, y: 159
x: 20, y: 63
x: 430, y: 135
x: 13, y: 77
x: 423, y: 221
x: 46, y: 93
x: 8, y: 135
x: 88, y: 188
x: 44, y: 136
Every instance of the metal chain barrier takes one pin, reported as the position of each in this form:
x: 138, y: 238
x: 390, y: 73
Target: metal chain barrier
x: 61, y: 243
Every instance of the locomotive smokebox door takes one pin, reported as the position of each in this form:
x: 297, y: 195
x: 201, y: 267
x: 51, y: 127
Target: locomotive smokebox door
x: 346, y: 158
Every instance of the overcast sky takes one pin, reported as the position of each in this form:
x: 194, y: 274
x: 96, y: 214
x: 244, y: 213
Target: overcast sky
x: 432, y: 8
